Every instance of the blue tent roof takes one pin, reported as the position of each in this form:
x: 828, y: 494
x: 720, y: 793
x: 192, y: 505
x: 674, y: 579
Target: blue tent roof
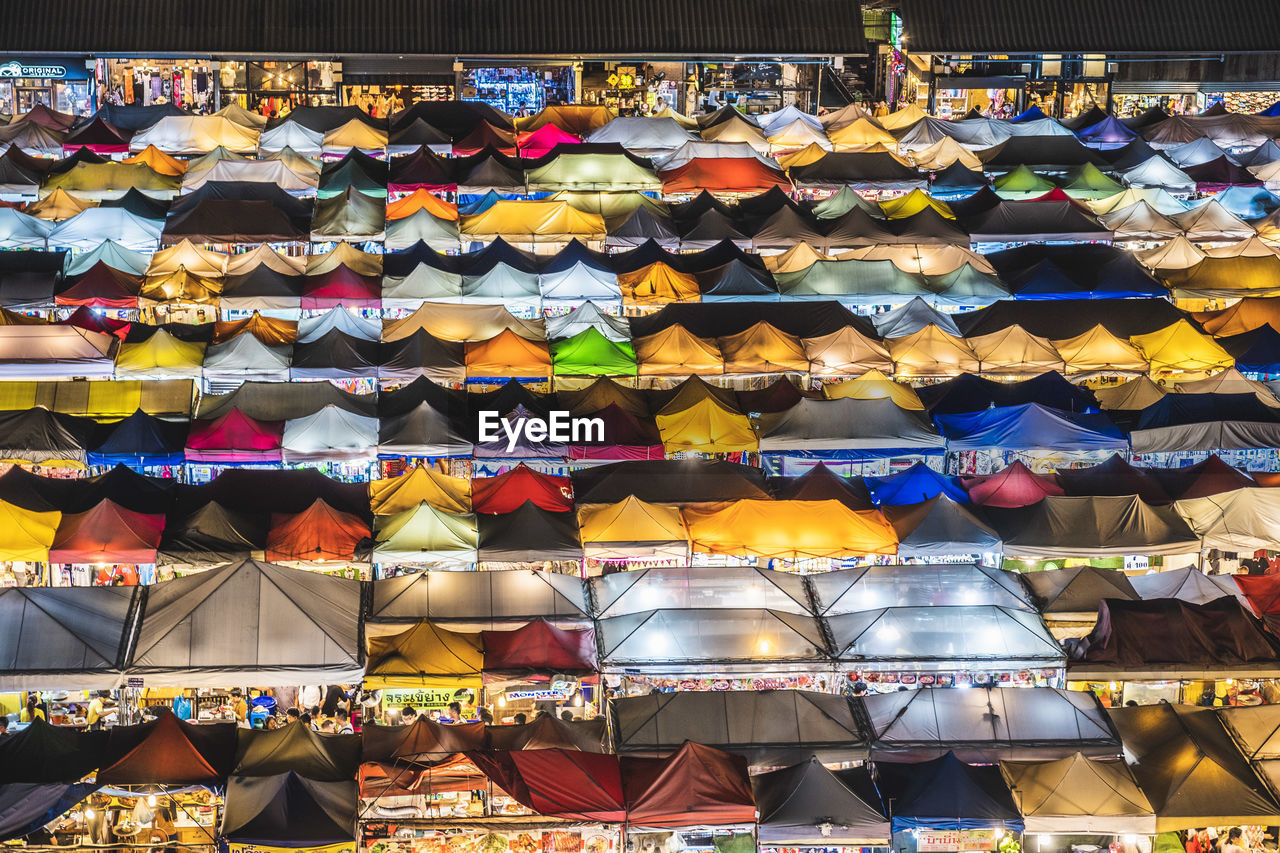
x: 142, y: 439
x: 1108, y: 133
x: 1182, y: 409
x: 1034, y: 113
x: 1248, y: 202
x: 915, y: 485
x: 969, y: 393
x: 946, y: 793
x: 1272, y: 111
x: 1030, y: 427
x: 1256, y: 351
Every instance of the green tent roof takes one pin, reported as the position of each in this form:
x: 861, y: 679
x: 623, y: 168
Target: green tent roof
x: 590, y: 353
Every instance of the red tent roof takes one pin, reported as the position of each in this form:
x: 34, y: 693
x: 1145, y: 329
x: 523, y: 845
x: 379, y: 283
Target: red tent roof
x: 1210, y: 477
x: 319, y: 532
x: 168, y: 751
x: 235, y: 437
x: 1262, y: 592
x: 541, y: 647
x: 107, y: 533
x: 341, y: 287
x: 102, y: 287
x: 507, y: 492
x: 559, y: 782
x: 83, y: 318
x: 627, y: 437
x: 543, y: 140
x: 1015, y: 486
x: 723, y: 174
x: 695, y: 785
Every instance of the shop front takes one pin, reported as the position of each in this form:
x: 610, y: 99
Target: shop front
x: 751, y: 87
x: 954, y: 96
x: 63, y: 84
x: 187, y: 83
x: 273, y: 88
x: 383, y: 86
x: 518, y: 90
x: 635, y: 88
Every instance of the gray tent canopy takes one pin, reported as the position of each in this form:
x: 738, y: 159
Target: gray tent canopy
x: 1078, y: 794
x: 985, y: 724
x: 940, y: 527
x: 767, y: 726
x: 872, y: 587
x: 807, y: 805
x: 518, y: 595
x: 622, y: 593
x: 67, y: 638
x: 250, y: 622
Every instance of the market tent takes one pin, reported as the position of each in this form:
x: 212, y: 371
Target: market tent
x: 1189, y: 767
x: 913, y: 485
x: 1014, y: 485
x: 789, y: 529
x: 1030, y: 427
x: 845, y: 352
x: 631, y: 528
x: 192, y: 135
x: 878, y: 427
x: 947, y: 793
x: 425, y: 534
x: 1077, y: 794
x: 1180, y: 347
x: 87, y: 229
x: 1098, y: 351
x: 532, y: 222
x: 529, y: 534
x: 43, y: 753
x: 1210, y: 477
x: 506, y: 492
x: 423, y: 431
x: 234, y: 437
x: 1035, y: 221
x: 484, y: 597
x: 331, y: 434
x: 539, y: 648
x: 67, y: 638
x: 26, y: 807
x: 1188, y: 584
x: 1113, y: 477
x: 715, y: 640
x: 162, y: 354
x: 212, y: 534
x: 101, y: 287
x: 41, y: 437
x: 424, y: 655
x: 558, y: 783
x: 590, y: 353
x: 422, y: 484
x: 290, y: 809
x: 808, y: 805
x: 158, y: 161
x: 853, y: 590
x: 694, y: 786
x: 988, y: 723
x: 320, y: 532
x: 675, y: 481
x: 932, y: 352
x: 314, y: 756
x: 589, y: 168
x: 142, y: 440
x: 350, y: 216
x: 107, y: 533
x: 874, y: 385
x: 293, y: 624
x: 507, y: 354
x: 168, y: 751
x: 26, y: 534
x: 940, y: 527
x: 1187, y: 422
x: 1093, y: 526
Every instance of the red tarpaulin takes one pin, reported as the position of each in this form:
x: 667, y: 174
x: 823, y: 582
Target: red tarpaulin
x: 1210, y: 477
x: 626, y: 437
x: 1016, y: 485
x: 540, y: 647
x: 102, y: 287
x: 694, y: 786
x: 341, y: 287
x: 507, y: 492
x: 168, y: 751
x: 83, y: 318
x: 234, y: 437
x: 107, y: 533
x: 560, y: 783
x: 319, y: 532
x: 543, y: 140
x: 723, y: 174
x: 1262, y: 593
x: 425, y: 740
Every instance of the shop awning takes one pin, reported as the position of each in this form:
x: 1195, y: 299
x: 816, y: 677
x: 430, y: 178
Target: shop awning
x: 694, y: 786
x: 424, y: 655
x: 168, y: 751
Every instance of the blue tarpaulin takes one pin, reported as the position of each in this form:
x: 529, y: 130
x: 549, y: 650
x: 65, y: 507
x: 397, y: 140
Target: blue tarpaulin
x: 915, y: 485
x: 1030, y: 427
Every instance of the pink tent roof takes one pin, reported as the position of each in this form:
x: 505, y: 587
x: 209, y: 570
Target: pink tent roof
x: 1015, y: 486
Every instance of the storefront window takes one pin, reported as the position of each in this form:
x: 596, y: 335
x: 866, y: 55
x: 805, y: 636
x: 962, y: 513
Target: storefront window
x: 632, y: 89
x: 382, y: 100
x: 519, y: 91
x: 185, y: 82
x: 275, y: 88
x: 64, y: 85
x: 753, y: 87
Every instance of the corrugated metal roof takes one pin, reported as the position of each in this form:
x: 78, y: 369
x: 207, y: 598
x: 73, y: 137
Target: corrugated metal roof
x: 634, y: 29
x: 1091, y: 26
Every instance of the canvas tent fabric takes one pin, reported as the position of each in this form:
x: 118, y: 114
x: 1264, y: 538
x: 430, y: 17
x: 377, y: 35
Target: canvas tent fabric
x: 695, y: 785
x: 1079, y: 794
x: 424, y: 655
x: 69, y: 638
x: 290, y: 809
x: 1098, y: 525
x: 44, y: 754
x: 786, y: 529
x: 168, y: 751
x: 947, y: 793
x: 797, y: 804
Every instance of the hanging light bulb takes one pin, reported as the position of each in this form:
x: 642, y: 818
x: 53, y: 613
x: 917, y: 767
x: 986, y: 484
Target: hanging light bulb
x: 88, y: 814
x: 577, y: 700
x: 502, y: 700
x: 151, y: 800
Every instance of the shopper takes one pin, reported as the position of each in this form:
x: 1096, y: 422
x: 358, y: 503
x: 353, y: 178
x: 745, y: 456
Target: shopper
x: 343, y: 725
x: 1233, y: 844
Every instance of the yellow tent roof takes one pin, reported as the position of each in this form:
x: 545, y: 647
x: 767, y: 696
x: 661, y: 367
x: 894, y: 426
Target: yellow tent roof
x: 189, y: 256
x: 451, y: 322
x: 26, y: 535
x: 1177, y: 254
x: 630, y: 527
x: 1134, y: 395
x: 1230, y: 381
x: 675, y: 351
x: 264, y: 255
x: 763, y: 348
x: 942, y: 154
x: 847, y: 115
x: 58, y: 205
x: 912, y: 203
x: 1244, y: 316
x: 1157, y: 197
x: 533, y: 221
x: 921, y: 259
x: 355, y: 134
x: 1015, y: 351
x: 160, y: 353
x: 798, y: 258
x: 789, y: 530
x: 697, y: 419
x: 902, y: 118
x: 180, y: 286
x: 571, y: 118
x: 101, y: 400
x: 270, y: 330
x: 860, y: 134
x: 932, y: 352
x: 679, y: 118
x: 423, y: 484
x: 345, y: 255
x: 845, y: 352
x: 160, y: 162
x: 1099, y: 351
x: 614, y: 207
x: 875, y: 385
x: 421, y: 199
x: 424, y: 655
x: 658, y: 283
x: 1180, y: 347
x: 737, y: 129
x: 796, y: 135
x: 811, y: 153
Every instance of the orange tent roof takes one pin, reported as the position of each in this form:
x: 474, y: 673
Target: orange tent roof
x: 675, y: 351
x: 160, y: 162
x: 658, y: 283
x: 421, y: 199
x: 723, y: 175
x: 319, y: 532
x: 1244, y: 316
x: 508, y: 354
x: 763, y: 348
x: 269, y: 330
x: 789, y: 530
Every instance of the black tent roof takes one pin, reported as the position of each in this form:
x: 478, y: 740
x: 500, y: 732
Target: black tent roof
x: 138, y: 203
x: 530, y: 534
x: 714, y: 320
x: 320, y: 757
x: 289, y: 809
x: 212, y: 534
x: 669, y: 481
x: 947, y: 793
x: 808, y: 804
x: 45, y: 753
x: 228, y: 221
x: 1065, y: 318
